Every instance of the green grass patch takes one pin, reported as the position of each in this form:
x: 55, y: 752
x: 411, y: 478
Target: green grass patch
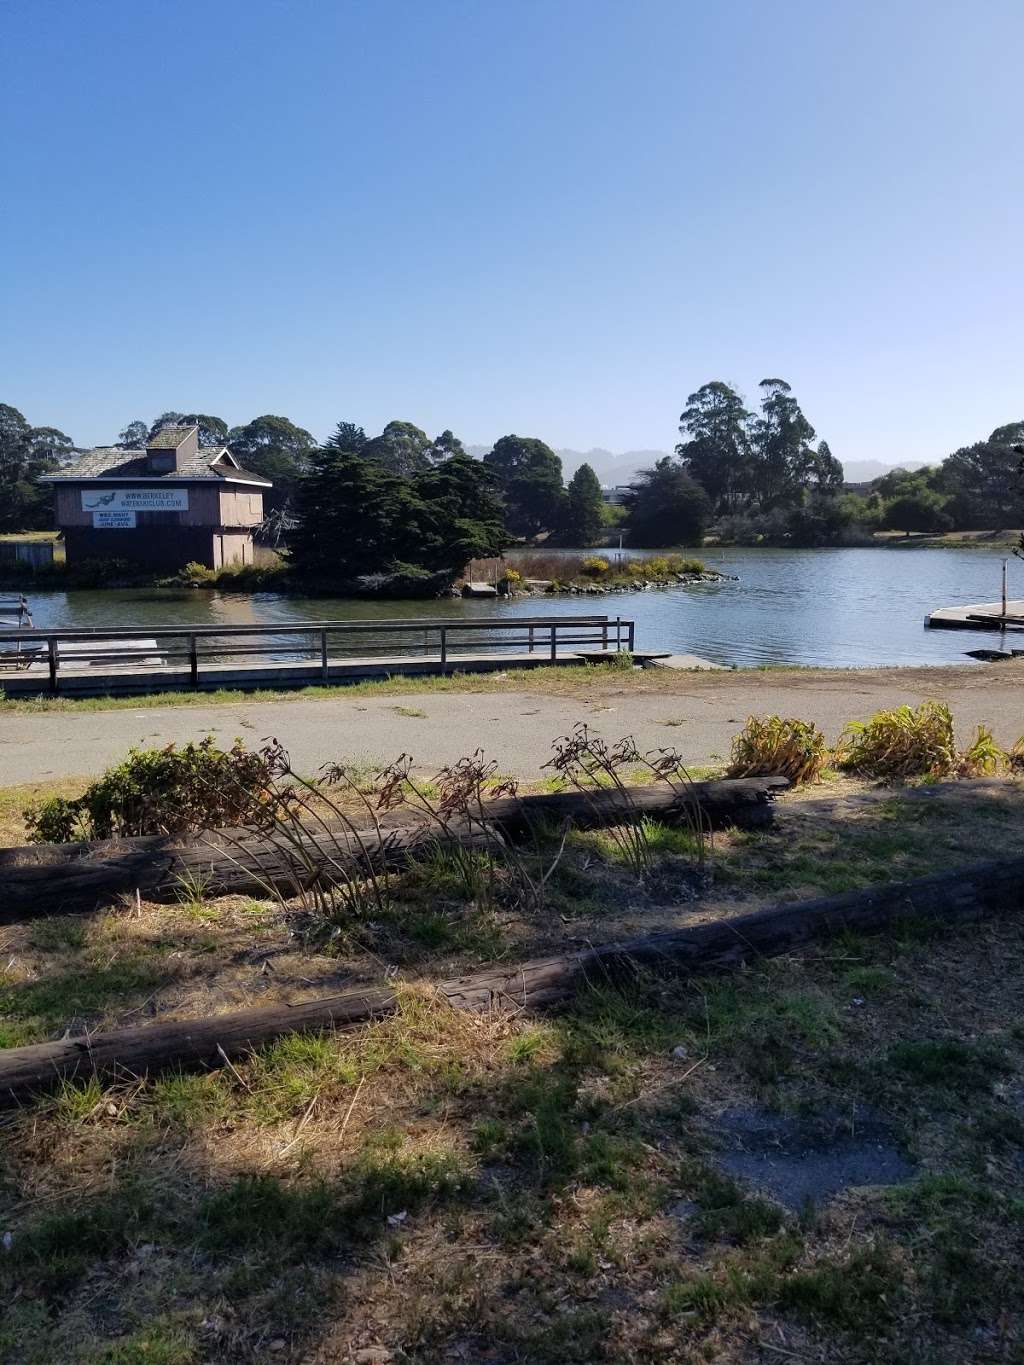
x: 949, y: 1063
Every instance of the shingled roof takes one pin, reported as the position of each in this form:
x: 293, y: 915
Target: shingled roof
x: 112, y: 462
x: 169, y: 438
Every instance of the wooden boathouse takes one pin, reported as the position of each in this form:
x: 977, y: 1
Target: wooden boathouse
x: 174, y: 503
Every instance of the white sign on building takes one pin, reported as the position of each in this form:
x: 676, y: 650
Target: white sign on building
x: 135, y: 500
x: 113, y: 521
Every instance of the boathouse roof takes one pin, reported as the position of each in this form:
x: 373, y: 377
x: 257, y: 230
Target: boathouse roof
x: 114, y: 462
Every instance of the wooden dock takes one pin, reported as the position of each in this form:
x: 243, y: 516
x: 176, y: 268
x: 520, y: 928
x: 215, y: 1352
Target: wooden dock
x: 123, y: 661
x: 978, y: 616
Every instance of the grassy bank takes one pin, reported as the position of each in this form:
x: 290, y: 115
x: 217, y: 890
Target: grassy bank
x: 560, y: 680
x: 527, y: 1188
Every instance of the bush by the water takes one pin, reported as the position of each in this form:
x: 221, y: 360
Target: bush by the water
x: 592, y: 568
x: 903, y: 742
x: 771, y: 746
x: 159, y: 791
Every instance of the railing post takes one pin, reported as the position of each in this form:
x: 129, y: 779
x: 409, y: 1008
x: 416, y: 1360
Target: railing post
x: 193, y: 660
x: 531, y: 640
x: 53, y: 653
x: 618, y: 634
x: 630, y: 641
x: 554, y: 643
x: 323, y: 654
x: 604, y: 636
x: 444, y: 647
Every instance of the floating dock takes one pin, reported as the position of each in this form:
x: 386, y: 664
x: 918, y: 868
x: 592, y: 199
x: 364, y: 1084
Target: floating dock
x: 978, y: 616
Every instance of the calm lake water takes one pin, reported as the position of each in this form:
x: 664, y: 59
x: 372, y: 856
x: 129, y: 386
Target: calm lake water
x: 839, y: 608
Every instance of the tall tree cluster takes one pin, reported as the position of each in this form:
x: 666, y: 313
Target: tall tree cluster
x: 355, y: 517
x: 760, y: 460
x: 26, y: 454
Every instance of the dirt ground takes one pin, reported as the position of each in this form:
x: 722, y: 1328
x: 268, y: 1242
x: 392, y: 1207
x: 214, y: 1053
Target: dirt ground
x: 514, y: 718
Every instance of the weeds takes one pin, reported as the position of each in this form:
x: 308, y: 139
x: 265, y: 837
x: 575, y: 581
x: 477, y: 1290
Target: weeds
x: 901, y: 743
x: 586, y: 763
x: 769, y: 746
x: 983, y: 757
x: 310, y: 848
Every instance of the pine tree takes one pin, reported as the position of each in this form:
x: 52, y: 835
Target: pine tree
x: 585, y: 507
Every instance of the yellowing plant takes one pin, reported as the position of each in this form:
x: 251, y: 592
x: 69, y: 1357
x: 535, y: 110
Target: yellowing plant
x: 770, y: 746
x: 904, y: 742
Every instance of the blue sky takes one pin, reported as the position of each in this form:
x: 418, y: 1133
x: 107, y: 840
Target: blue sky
x: 555, y: 217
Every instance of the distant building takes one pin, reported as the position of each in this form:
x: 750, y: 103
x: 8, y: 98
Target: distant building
x: 616, y: 496
x: 174, y: 503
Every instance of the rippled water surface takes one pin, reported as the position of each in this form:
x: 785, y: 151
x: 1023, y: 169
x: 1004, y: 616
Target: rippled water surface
x: 826, y: 607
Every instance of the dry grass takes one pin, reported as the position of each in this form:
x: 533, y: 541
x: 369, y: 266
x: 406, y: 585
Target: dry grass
x: 441, y: 1186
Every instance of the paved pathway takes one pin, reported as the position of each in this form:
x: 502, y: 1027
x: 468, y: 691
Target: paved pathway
x: 698, y: 715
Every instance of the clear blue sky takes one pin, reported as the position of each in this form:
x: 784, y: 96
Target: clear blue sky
x: 554, y: 217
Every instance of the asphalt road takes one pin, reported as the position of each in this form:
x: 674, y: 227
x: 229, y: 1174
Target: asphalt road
x: 695, y: 713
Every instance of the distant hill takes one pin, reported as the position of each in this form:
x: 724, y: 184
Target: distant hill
x: 863, y: 471
x: 609, y: 467
x: 612, y: 469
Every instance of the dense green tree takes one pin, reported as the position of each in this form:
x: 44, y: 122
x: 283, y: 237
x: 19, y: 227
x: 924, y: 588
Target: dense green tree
x: 584, y: 520
x: 356, y: 519
x: 898, y: 482
x: 666, y: 507
x: 821, y: 518
x: 213, y: 431
x: 530, y: 479
x: 983, y: 481
x: 134, y: 435
x: 401, y: 448
x: 278, y: 450
x: 445, y: 447
x: 783, y: 457
x: 26, y: 454
x: 346, y: 436
x: 827, y: 471
x: 922, y: 510
x: 717, y: 450
x: 349, y: 513
x: 465, y: 514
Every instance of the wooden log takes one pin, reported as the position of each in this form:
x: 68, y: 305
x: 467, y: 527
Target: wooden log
x: 66, y: 879
x: 947, y: 900
x: 744, y: 801
x: 48, y: 879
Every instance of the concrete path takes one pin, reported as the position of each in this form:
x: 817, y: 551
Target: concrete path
x: 695, y: 713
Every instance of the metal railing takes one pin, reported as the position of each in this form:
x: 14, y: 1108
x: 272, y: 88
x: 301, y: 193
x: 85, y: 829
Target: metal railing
x: 444, y: 641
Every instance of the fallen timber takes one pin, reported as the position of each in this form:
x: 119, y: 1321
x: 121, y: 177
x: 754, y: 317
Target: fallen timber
x: 949, y: 899
x: 47, y: 879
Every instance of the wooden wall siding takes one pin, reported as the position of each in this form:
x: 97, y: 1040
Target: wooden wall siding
x: 240, y: 507
x: 209, y: 504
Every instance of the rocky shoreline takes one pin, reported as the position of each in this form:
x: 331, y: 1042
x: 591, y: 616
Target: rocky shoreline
x: 548, y: 587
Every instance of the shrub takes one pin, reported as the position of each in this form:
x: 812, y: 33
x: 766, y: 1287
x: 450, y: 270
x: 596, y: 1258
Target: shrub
x: 594, y: 566
x: 1015, y: 757
x: 159, y: 791
x: 904, y: 742
x: 769, y: 746
x: 983, y: 757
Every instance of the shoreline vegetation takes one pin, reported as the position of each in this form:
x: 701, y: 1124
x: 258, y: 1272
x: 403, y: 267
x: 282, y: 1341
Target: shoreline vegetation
x: 395, y: 516
x: 565, y: 573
